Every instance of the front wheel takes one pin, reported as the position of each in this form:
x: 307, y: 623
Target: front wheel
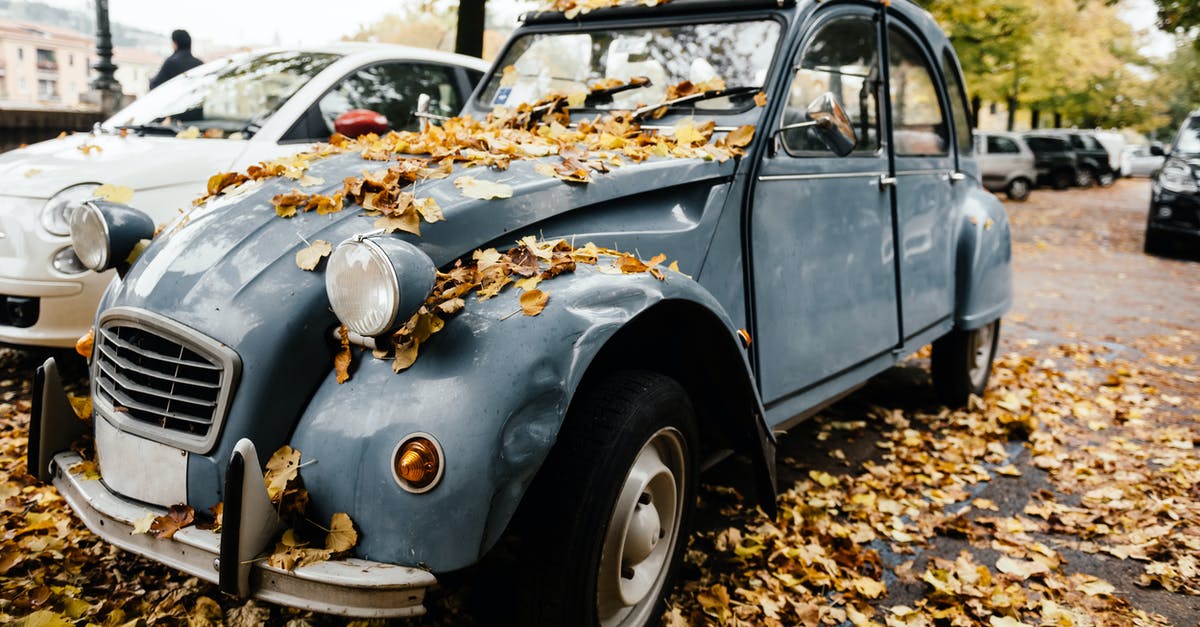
x: 1018, y: 190
x: 1107, y: 179
x: 611, y: 506
x: 1085, y: 178
x: 962, y: 363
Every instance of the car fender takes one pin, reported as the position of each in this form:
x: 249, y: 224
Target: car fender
x: 493, y: 390
x: 983, y: 261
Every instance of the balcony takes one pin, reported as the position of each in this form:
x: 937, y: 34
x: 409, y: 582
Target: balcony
x: 47, y: 66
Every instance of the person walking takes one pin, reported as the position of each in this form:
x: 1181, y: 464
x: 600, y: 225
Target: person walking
x: 179, y: 62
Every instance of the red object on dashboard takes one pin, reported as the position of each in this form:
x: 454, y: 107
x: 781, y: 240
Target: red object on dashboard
x: 358, y: 122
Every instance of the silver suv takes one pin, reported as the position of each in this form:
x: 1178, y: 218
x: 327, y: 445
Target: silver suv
x: 1006, y: 164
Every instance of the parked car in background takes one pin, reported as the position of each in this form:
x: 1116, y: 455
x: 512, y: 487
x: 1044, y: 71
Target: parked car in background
x: 1006, y: 164
x: 1114, y: 144
x: 1093, y: 163
x: 575, y: 433
x: 1173, y: 225
x: 1140, y: 160
x: 226, y: 114
x: 1054, y: 160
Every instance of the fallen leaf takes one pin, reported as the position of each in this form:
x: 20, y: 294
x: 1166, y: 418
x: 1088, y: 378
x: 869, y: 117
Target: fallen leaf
x: 1023, y: 569
x: 283, y: 467
x: 190, y: 133
x: 176, y: 518
x: 483, y: 190
x: 342, y: 536
x: 310, y: 256
x: 533, y: 302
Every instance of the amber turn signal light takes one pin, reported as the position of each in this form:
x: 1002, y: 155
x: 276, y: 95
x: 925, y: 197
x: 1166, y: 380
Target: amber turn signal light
x: 417, y: 464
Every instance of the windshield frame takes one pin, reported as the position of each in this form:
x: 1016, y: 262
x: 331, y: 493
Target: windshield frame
x: 477, y: 102
x: 224, y: 65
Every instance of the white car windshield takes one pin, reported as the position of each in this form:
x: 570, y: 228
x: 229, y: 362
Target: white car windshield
x: 235, y: 94
x: 730, y: 54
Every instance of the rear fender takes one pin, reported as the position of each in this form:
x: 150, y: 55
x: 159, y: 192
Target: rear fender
x: 983, y: 261
x: 493, y: 389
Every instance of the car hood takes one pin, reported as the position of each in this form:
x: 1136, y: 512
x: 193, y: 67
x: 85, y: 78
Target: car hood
x: 45, y: 168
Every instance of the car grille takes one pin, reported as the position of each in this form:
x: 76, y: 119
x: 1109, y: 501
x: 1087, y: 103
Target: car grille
x: 160, y: 384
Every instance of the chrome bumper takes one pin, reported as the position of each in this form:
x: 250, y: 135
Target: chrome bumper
x: 347, y: 587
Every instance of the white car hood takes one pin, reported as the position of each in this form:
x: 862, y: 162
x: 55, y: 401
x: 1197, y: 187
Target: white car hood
x: 44, y: 169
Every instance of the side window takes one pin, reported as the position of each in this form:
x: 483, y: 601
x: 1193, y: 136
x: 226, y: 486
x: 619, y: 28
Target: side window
x: 919, y: 127
x: 1077, y: 142
x: 1004, y: 145
x: 841, y: 58
x: 958, y: 102
x: 392, y: 89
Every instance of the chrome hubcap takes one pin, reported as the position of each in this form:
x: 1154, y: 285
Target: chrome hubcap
x: 642, y: 532
x: 981, y: 352
x: 1019, y: 188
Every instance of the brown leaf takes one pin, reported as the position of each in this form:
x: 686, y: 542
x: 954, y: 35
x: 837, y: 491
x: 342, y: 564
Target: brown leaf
x: 741, y: 137
x: 341, y: 361
x: 533, y: 302
x: 342, y: 536
x: 760, y: 99
x: 176, y: 518
x: 283, y: 467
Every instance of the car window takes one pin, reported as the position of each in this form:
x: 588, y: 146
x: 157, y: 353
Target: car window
x: 1092, y: 143
x: 1077, y: 141
x: 1002, y: 145
x: 392, y: 89
x: 1046, y: 144
x: 1188, y: 141
x: 841, y: 58
x: 918, y: 125
x: 958, y: 102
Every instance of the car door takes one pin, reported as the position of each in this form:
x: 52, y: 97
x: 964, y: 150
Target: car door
x: 821, y: 226
x: 924, y: 170
x: 391, y: 89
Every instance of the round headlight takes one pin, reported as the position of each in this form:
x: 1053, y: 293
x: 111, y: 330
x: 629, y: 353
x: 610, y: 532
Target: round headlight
x: 67, y: 262
x: 56, y: 214
x: 363, y: 288
x: 89, y: 236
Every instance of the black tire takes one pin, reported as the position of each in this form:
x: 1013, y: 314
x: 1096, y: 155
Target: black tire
x: 1062, y: 179
x: 1085, y: 178
x: 1018, y: 189
x: 1107, y: 179
x: 586, y: 480
x: 1157, y: 244
x: 962, y: 363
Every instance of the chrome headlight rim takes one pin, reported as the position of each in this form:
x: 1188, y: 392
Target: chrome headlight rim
x: 390, y: 281
x: 1178, y: 178
x: 68, y: 199
x: 95, y: 257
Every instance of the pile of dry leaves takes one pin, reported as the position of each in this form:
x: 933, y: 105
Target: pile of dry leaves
x: 1123, y: 469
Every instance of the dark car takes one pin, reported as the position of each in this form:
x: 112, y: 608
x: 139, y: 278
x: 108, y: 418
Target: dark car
x: 1054, y: 160
x: 1093, y: 164
x: 1173, y: 225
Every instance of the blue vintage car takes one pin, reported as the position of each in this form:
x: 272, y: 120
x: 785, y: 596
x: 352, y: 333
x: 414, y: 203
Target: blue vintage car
x: 852, y: 231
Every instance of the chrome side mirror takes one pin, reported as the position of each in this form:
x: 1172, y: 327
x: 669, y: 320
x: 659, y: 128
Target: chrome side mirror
x: 827, y: 117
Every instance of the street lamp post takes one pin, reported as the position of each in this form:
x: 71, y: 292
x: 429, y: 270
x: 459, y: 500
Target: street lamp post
x: 105, y: 83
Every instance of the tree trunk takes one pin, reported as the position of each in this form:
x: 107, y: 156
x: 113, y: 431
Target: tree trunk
x: 469, y: 40
x: 1057, y: 120
x: 1012, y: 114
x: 1035, y: 117
x: 976, y: 106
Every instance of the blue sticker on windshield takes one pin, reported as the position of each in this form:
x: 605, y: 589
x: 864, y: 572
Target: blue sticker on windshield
x: 502, y: 95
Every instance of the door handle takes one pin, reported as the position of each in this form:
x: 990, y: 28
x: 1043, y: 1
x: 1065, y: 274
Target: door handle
x: 956, y: 177
x: 886, y: 181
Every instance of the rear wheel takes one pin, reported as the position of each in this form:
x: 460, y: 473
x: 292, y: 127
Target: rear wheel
x: 1062, y: 179
x: 1018, y: 190
x: 1107, y: 179
x: 1085, y: 178
x: 612, y: 504
x: 962, y: 363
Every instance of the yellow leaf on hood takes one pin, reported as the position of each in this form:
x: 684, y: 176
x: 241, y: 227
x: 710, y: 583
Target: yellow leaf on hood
x: 114, y: 193
x: 533, y: 302
x: 342, y: 536
x: 308, y: 258
x: 483, y: 190
x: 191, y: 133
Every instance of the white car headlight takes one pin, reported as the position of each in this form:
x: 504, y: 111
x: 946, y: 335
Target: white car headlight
x: 55, y: 216
x: 1178, y: 177
x: 89, y: 236
x: 376, y: 283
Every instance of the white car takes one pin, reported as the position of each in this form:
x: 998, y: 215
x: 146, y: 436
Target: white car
x: 1138, y: 160
x: 224, y: 115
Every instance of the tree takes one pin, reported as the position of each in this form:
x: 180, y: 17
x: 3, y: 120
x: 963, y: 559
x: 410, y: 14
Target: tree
x: 471, y: 16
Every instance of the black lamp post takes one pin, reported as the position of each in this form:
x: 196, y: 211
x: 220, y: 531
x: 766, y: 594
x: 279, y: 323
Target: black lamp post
x: 105, y: 82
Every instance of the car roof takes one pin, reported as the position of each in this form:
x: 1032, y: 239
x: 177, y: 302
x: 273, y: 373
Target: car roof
x: 640, y: 9
x: 366, y: 52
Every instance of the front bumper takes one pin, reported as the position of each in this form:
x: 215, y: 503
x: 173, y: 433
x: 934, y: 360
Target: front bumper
x: 346, y: 587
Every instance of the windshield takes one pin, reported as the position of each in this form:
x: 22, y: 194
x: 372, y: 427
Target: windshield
x: 235, y: 94
x: 730, y: 54
x: 1189, y: 137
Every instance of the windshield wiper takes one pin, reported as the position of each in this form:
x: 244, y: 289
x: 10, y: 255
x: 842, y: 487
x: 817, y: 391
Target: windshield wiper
x: 605, y: 96
x: 696, y: 97
x: 152, y: 128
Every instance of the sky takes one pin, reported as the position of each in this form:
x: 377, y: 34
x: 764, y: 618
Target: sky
x: 255, y: 22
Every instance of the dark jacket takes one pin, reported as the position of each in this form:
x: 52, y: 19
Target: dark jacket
x: 175, y: 65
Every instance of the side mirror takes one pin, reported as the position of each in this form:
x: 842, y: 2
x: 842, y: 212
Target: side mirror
x: 358, y: 122
x: 1156, y: 150
x: 827, y: 117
